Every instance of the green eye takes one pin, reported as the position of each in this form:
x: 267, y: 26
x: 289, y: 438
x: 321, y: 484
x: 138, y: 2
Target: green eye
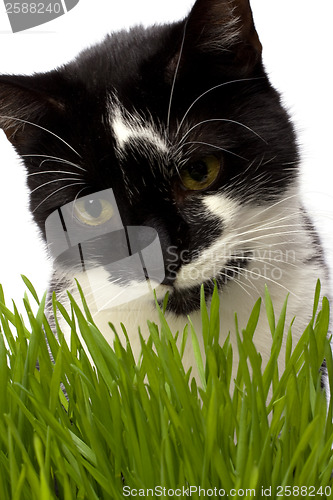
x: 201, y: 174
x: 93, y: 212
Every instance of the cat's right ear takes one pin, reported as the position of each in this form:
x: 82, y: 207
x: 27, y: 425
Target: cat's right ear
x: 24, y: 100
x: 224, y: 31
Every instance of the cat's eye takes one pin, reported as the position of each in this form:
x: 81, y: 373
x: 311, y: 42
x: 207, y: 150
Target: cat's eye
x: 93, y: 212
x: 201, y: 174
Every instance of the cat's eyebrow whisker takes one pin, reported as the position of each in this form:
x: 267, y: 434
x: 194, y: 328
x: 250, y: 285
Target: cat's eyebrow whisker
x: 212, y: 146
x: 210, y: 90
x: 53, y: 172
x: 271, y: 159
x: 180, y: 158
x: 237, y: 180
x: 56, y: 159
x: 61, y: 161
x: 226, y: 120
x: 242, y: 174
x: 42, y: 128
x: 57, y: 190
x: 76, y: 197
x: 54, y: 180
x: 175, y: 76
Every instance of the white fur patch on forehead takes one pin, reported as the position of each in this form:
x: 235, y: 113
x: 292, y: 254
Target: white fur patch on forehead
x: 131, y: 129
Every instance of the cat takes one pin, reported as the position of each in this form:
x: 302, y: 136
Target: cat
x: 161, y: 160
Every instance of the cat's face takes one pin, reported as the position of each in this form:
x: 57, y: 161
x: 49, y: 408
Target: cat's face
x: 174, y: 130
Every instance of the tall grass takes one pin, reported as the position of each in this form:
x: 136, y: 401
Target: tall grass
x: 127, y: 428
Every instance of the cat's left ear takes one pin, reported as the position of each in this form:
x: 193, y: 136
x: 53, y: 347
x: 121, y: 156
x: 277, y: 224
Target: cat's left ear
x: 223, y: 29
x: 24, y: 101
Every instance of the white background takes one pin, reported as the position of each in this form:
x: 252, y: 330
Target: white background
x: 297, y: 40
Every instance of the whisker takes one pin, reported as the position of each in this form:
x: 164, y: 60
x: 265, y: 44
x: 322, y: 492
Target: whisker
x: 55, y: 158
x: 261, y: 258
x: 264, y: 227
x: 234, y: 180
x: 105, y: 287
x: 175, y: 77
x: 235, y: 280
x: 226, y: 120
x: 42, y: 128
x: 106, y: 304
x: 54, y: 180
x: 274, y: 205
x: 268, y: 223
x: 212, y: 146
x: 238, y: 281
x: 268, y: 261
x: 210, y: 90
x: 76, y: 197
x: 245, y: 272
x: 61, y: 161
x: 239, y: 178
x: 272, y: 159
x: 267, y: 246
x: 53, y: 172
x: 269, y: 235
x: 54, y: 192
x: 93, y: 290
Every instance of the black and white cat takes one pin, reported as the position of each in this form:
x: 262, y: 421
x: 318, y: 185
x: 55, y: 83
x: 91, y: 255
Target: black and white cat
x: 162, y: 159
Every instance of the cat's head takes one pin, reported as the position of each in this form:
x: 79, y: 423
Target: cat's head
x: 175, y: 128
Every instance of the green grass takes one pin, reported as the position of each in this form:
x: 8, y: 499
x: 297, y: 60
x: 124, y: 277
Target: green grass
x: 129, y: 426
